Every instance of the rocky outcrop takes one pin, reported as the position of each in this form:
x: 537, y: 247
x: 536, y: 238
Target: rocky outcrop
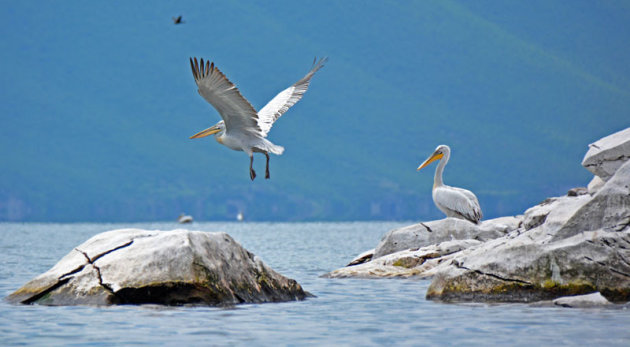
x: 132, y: 266
x: 429, y: 233
x: 565, y: 246
x: 607, y: 155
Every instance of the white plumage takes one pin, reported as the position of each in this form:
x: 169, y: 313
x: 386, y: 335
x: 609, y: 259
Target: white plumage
x: 453, y: 201
x: 242, y: 128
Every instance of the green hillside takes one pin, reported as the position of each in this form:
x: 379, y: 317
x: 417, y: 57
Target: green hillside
x: 98, y: 103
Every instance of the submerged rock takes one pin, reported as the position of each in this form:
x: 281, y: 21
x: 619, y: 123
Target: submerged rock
x: 133, y: 266
x: 582, y: 301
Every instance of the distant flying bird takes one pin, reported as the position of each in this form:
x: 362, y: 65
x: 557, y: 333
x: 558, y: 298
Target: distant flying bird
x: 454, y: 202
x: 178, y: 20
x: 242, y: 128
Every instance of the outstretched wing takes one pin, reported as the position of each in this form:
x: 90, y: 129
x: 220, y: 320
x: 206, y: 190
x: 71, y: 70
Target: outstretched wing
x: 286, y: 98
x: 236, y: 111
x: 459, y: 201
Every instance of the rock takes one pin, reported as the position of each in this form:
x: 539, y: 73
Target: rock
x: 553, y: 212
x: 565, y: 246
x: 532, y: 266
x: 606, y: 155
x: 609, y: 208
x: 577, y: 191
x: 407, y: 263
x: 132, y: 266
x: 582, y: 301
x: 425, y: 234
x: 595, y: 184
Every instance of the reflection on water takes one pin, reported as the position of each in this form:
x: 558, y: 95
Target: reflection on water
x: 345, y: 311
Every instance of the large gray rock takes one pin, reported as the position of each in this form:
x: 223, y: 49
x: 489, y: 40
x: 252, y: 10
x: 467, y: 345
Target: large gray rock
x: 531, y: 267
x: 433, y: 232
x: 132, y: 266
x: 570, y: 245
x: 564, y: 246
x: 606, y: 155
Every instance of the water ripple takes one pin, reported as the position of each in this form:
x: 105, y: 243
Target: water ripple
x: 346, y: 312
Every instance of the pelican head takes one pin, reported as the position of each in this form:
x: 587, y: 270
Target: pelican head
x: 439, y: 153
x: 217, y: 128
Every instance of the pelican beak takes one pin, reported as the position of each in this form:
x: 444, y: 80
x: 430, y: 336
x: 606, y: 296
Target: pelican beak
x: 212, y: 130
x: 432, y: 158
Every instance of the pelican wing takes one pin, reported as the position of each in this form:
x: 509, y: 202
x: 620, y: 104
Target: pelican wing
x: 459, y: 201
x: 286, y: 98
x: 236, y: 111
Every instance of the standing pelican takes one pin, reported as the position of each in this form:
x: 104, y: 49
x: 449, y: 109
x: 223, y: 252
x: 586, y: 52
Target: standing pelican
x: 454, y: 202
x: 242, y: 128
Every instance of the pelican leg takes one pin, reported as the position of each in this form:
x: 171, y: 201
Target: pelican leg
x: 267, y: 176
x: 252, y: 173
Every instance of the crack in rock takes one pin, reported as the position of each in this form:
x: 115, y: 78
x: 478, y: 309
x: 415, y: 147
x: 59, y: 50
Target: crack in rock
x: 98, y: 271
x: 100, y: 255
x: 65, y: 278
x: 78, y: 269
x: 492, y: 275
x: 43, y: 293
x: 623, y: 259
x: 619, y: 272
x: 601, y: 161
x: 624, y: 224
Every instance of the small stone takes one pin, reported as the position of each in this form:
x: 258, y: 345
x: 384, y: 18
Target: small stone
x: 589, y: 300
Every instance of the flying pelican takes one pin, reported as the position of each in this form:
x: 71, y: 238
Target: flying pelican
x: 242, y: 128
x: 178, y: 20
x: 454, y: 202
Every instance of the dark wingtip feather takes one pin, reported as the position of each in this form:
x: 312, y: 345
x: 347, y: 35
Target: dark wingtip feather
x: 192, y: 67
x: 197, y: 68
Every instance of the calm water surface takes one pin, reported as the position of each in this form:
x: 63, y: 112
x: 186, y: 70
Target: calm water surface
x: 345, y: 311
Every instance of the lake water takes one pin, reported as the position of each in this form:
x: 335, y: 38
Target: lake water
x: 345, y: 311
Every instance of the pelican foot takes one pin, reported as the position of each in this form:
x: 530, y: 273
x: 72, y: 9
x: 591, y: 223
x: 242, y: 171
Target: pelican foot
x: 252, y: 174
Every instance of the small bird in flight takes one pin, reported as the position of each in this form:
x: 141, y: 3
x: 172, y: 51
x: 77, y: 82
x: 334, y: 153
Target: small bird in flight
x: 242, y: 128
x: 178, y: 20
